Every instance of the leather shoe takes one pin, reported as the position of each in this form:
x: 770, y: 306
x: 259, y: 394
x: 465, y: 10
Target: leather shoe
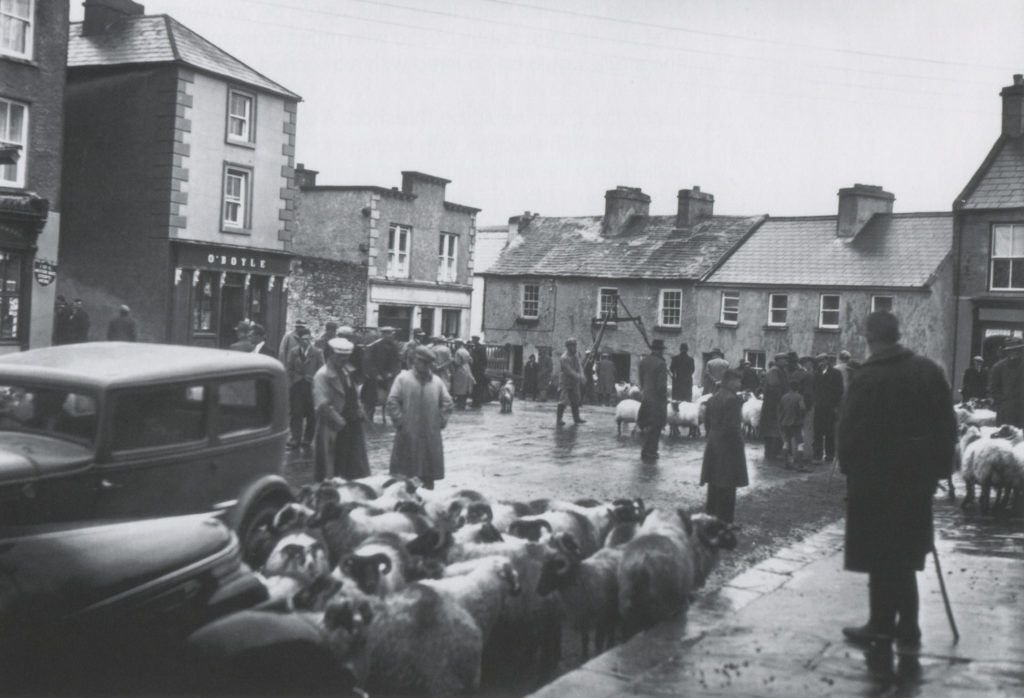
x: 866, y: 635
x: 579, y: 421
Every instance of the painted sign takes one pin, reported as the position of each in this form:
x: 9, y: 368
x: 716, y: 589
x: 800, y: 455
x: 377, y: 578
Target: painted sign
x: 45, y: 271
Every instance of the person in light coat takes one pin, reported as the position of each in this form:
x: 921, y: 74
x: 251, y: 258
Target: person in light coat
x: 340, y: 446
x: 419, y: 406
x: 462, y: 375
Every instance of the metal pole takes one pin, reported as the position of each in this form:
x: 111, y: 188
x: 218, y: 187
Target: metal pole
x: 945, y: 596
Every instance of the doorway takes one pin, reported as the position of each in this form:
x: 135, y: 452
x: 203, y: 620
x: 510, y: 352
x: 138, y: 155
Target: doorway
x: 397, y: 316
x: 232, y: 307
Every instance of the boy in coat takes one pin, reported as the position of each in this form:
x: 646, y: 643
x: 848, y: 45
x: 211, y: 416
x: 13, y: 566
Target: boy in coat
x: 725, y: 462
x: 792, y: 410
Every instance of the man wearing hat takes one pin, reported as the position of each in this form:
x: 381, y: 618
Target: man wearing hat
x: 122, y: 327
x: 330, y: 332
x: 478, y: 352
x: 303, y: 364
x: 290, y: 341
x: 776, y: 382
x: 442, y: 361
x: 419, y: 338
x: 724, y: 467
x: 258, y: 339
x: 340, y: 447
x: 242, y: 342
x: 828, y: 395
x: 419, y: 406
x: 1006, y: 384
x: 570, y: 383
x: 653, y: 374
x: 975, y: 383
x: 714, y: 369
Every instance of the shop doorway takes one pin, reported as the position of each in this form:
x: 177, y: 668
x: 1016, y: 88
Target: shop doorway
x: 427, y: 321
x: 232, y: 307
x: 397, y: 316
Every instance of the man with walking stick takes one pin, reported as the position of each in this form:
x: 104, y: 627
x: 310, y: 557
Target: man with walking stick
x: 897, y: 434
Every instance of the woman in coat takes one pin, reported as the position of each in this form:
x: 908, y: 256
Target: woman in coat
x: 419, y: 406
x: 340, y: 445
x: 725, y: 462
x: 462, y: 375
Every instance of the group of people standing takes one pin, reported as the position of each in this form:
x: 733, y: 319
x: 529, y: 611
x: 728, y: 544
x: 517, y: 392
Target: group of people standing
x: 1003, y: 384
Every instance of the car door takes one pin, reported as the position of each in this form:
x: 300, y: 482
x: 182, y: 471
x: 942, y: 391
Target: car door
x: 245, y: 445
x: 158, y: 452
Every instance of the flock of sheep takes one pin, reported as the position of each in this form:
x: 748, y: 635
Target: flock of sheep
x: 991, y: 457
x: 682, y: 414
x: 428, y: 591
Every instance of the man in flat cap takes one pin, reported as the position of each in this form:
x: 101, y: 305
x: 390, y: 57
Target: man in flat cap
x: 242, y: 341
x: 419, y: 406
x: 974, y: 385
x: 303, y: 364
x: 340, y: 447
x: 289, y: 341
x: 122, y: 327
x: 828, y: 396
x: 570, y: 383
x: 1006, y: 384
x: 653, y: 374
x: 776, y: 382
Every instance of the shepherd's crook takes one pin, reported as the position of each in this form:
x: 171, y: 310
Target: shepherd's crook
x: 945, y: 596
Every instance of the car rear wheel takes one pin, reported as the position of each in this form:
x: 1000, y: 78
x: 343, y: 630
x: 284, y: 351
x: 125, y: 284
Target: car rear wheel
x: 254, y: 534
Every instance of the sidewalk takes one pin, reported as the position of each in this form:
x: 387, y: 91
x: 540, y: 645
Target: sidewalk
x: 774, y: 630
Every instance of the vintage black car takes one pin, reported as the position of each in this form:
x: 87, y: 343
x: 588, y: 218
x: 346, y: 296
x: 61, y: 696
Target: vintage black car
x: 108, y: 430
x: 106, y: 608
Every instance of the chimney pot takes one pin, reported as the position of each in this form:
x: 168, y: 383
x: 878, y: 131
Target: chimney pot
x: 694, y: 206
x: 1018, y: 79
x: 100, y: 14
x: 857, y: 205
x: 1013, y: 107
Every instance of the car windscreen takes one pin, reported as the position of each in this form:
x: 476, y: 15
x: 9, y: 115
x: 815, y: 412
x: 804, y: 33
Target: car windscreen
x: 47, y: 410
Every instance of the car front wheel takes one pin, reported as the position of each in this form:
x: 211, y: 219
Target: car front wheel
x: 254, y: 534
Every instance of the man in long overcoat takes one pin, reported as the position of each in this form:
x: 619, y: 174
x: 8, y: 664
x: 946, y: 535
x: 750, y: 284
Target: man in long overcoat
x: 530, y: 377
x: 775, y: 383
x: 570, y: 383
x: 302, y: 365
x: 419, y: 406
x: 462, y: 375
x: 897, y: 436
x: 340, y: 446
x: 654, y: 401
x: 725, y: 461
x: 828, y: 395
x: 681, y: 368
x: 974, y: 385
x: 606, y: 380
x: 545, y: 367
x: 480, y: 386
x: 1006, y: 385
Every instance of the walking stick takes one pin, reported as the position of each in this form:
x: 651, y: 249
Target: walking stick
x: 945, y: 596
x: 835, y: 462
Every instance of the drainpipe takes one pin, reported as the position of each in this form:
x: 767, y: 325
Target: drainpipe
x: 957, y: 242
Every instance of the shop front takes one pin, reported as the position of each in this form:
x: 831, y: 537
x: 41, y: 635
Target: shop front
x: 216, y: 287
x: 995, y: 322
x: 22, y: 218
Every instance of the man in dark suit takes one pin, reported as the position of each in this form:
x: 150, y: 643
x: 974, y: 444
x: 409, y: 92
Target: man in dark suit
x: 302, y: 364
x: 654, y: 401
x: 828, y: 394
x: 682, y: 374
x: 725, y: 461
x: 258, y: 338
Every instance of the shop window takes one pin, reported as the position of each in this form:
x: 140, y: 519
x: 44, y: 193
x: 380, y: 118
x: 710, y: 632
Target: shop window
x: 828, y: 317
x: 670, y: 308
x: 16, y: 30
x: 447, y: 254
x: 778, y: 307
x: 10, y: 294
x: 242, y: 405
x: 1007, y: 258
x: 13, y: 142
x: 202, y: 302
x: 241, y: 112
x: 160, y: 416
x: 398, y: 250
x: 451, y: 322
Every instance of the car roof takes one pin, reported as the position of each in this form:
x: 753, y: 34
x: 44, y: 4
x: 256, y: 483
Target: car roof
x: 111, y: 364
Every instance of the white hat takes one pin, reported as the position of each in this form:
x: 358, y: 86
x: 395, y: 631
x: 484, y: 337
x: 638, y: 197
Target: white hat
x: 340, y: 345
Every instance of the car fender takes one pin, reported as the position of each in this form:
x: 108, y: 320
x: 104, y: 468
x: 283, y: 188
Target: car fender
x: 266, y: 487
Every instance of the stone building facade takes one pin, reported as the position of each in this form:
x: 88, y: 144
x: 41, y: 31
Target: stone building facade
x: 989, y: 243
x: 403, y: 257
x: 179, y: 180
x: 33, y: 54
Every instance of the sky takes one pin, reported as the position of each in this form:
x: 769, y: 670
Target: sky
x: 543, y: 105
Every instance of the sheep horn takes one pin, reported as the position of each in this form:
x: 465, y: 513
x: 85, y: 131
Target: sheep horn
x: 383, y: 562
x: 543, y: 523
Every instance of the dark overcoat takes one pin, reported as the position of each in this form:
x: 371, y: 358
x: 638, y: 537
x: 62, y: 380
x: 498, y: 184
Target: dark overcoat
x: 725, y: 461
x: 653, y: 373
x: 682, y: 377
x: 897, y: 434
x: 1006, y: 388
x: 774, y: 387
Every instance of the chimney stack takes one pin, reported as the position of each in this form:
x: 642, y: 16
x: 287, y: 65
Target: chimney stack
x: 100, y: 14
x: 857, y: 204
x: 621, y: 205
x: 694, y: 206
x: 305, y: 178
x: 1013, y: 107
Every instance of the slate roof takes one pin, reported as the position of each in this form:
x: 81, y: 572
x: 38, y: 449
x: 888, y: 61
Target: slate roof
x: 651, y: 247
x: 162, y: 39
x: 999, y: 182
x: 893, y: 250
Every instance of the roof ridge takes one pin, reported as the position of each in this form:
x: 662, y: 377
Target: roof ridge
x: 281, y: 87
x: 170, y: 36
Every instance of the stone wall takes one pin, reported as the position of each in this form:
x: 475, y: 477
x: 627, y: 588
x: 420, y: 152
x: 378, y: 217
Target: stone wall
x: 323, y: 289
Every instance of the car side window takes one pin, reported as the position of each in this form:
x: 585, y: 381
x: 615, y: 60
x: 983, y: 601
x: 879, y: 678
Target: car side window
x: 161, y: 416
x: 242, y: 404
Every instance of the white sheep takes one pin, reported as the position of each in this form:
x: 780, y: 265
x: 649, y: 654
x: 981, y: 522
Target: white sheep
x: 626, y: 412
x: 588, y: 588
x: 480, y: 586
x: 969, y: 415
x: 751, y: 414
x: 627, y: 391
x: 559, y: 521
x: 685, y: 414
x: 988, y: 460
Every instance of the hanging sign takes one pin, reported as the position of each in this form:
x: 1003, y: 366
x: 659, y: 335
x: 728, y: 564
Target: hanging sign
x: 45, y: 271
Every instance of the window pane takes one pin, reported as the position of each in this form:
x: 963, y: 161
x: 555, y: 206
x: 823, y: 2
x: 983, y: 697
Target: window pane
x: 1000, y: 273
x: 830, y: 302
x: 1002, y: 244
x: 242, y: 404
x: 1017, y: 273
x: 159, y: 417
x: 1018, y: 241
